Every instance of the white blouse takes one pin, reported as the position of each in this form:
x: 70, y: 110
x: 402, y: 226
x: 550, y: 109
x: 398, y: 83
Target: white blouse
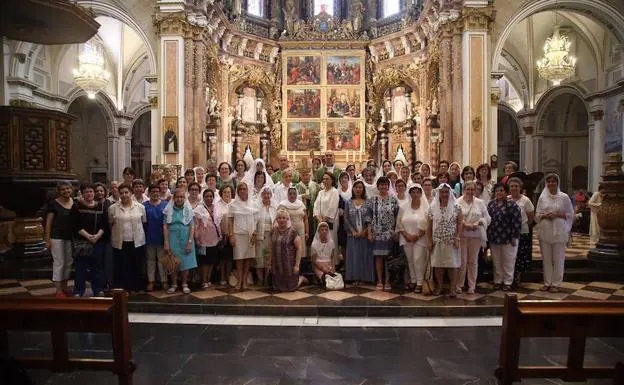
x: 411, y: 221
x: 476, y: 211
x: 526, y: 206
x: 554, y: 230
x: 326, y: 204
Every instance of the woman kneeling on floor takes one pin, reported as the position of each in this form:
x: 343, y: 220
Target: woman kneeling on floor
x: 323, y: 252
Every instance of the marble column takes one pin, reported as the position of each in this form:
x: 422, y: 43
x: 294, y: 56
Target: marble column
x: 457, y: 74
x: 596, y: 148
x: 113, y: 158
x: 446, y: 102
x: 480, y: 134
x: 188, y: 106
x: 199, y: 103
x: 122, y: 158
x: 528, y: 122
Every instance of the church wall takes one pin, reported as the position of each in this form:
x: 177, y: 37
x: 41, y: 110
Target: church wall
x: 89, y: 149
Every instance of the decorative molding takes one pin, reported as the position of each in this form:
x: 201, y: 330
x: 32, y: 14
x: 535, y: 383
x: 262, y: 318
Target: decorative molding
x: 153, y: 100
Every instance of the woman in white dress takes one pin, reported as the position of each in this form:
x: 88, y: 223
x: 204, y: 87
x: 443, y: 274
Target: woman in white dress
x: 243, y: 216
x: 554, y: 215
x: 326, y: 207
x: 445, y: 227
x: 267, y: 211
x: 322, y: 249
x: 412, y: 226
x: 476, y: 221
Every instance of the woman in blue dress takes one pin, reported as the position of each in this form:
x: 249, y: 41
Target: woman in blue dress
x: 179, y: 232
x: 357, y: 216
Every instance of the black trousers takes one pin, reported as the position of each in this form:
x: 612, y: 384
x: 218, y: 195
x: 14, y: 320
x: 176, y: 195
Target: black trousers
x: 128, y: 266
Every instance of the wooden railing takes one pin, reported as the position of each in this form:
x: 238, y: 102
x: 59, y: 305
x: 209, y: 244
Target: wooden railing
x: 576, y: 320
x: 62, y: 316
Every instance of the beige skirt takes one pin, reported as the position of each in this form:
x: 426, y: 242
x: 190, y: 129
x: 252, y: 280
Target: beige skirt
x: 243, y: 249
x: 445, y: 256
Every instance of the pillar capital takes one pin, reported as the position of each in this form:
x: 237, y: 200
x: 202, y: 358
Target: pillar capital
x: 528, y: 122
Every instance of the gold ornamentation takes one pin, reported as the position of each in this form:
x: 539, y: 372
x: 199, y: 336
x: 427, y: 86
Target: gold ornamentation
x: 478, y: 18
x: 611, y: 212
x: 323, y: 27
x: 495, y: 98
x: 153, y: 100
x: 21, y: 103
x: 477, y: 123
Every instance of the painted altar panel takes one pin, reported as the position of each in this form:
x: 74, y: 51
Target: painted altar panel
x: 323, y: 98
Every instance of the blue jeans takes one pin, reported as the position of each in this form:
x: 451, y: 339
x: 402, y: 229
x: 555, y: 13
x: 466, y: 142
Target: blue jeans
x: 94, y: 263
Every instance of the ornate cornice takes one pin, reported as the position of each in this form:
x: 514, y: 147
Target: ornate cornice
x: 478, y: 18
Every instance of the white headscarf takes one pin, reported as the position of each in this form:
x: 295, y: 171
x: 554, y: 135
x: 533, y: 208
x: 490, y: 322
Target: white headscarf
x: 188, y: 213
x: 430, y: 170
x: 322, y: 249
x: 380, y: 170
x: 262, y: 211
x: 436, y: 209
x: 250, y: 175
x: 424, y: 203
x: 560, y: 226
x: 346, y: 195
x: 296, y: 205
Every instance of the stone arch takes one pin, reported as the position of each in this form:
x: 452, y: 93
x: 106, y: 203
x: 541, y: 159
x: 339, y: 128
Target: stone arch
x: 541, y: 106
x: 104, y: 103
x: 140, y: 143
x: 103, y: 9
x: 600, y: 10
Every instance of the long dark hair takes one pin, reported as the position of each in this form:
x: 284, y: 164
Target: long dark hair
x: 363, y: 189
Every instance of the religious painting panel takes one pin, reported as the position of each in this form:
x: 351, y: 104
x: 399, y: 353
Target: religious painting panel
x: 344, y: 103
x: 303, y: 136
x: 344, y: 136
x: 303, y: 70
x: 344, y: 70
x: 614, y: 117
x: 303, y: 103
x: 170, y: 135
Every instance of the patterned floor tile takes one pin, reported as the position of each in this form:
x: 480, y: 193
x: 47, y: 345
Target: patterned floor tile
x: 421, y: 297
x: 208, y: 294
x: 164, y: 294
x: 502, y: 294
x: 336, y: 295
x: 531, y: 285
x: 13, y: 290
x: 293, y: 296
x: 574, y: 286
x: 249, y: 295
x: 619, y: 293
x: 36, y: 282
x: 380, y: 295
x: 591, y: 294
x: 549, y: 295
x: 607, y: 285
x: 471, y: 297
x: 39, y: 292
x: 9, y: 281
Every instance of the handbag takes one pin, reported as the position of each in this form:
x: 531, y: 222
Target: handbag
x: 221, y: 243
x: 170, y: 262
x: 82, y: 248
x: 334, y: 282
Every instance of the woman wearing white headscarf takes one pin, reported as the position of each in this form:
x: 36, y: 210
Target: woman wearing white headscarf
x: 243, y: 223
x: 326, y: 206
x: 554, y: 215
x: 412, y: 226
x: 298, y: 214
x: 369, y: 180
x: 257, y: 165
x: 445, y: 227
x: 208, y: 234
x: 323, y: 257
x: 267, y: 211
x: 426, y: 171
x: 179, y: 231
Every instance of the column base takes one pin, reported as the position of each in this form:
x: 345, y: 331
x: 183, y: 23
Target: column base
x: 608, y: 258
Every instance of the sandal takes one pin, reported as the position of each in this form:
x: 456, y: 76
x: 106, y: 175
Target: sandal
x: 437, y: 292
x: 185, y: 289
x: 387, y: 287
x: 418, y: 290
x: 172, y: 289
x: 379, y: 286
x: 544, y: 288
x: 206, y: 285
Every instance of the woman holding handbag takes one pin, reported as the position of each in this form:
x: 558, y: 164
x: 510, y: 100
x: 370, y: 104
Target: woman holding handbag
x: 88, y: 243
x: 179, y: 230
x: 208, y: 237
x: 323, y: 257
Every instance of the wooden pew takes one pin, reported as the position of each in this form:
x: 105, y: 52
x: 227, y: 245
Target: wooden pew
x: 576, y: 320
x: 61, y: 316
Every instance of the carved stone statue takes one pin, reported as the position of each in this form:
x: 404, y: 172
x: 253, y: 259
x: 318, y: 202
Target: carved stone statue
x: 290, y: 16
x: 382, y: 112
x: 357, y: 15
x: 263, y: 116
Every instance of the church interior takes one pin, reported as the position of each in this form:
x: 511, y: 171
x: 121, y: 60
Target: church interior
x: 92, y: 91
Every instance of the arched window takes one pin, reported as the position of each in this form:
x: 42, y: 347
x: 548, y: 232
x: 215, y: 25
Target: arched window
x: 390, y: 8
x: 326, y: 6
x: 255, y: 7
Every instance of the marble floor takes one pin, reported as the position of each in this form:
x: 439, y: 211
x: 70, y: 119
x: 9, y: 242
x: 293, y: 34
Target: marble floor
x: 178, y: 354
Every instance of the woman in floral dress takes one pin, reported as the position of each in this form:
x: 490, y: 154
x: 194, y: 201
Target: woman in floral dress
x: 385, y: 210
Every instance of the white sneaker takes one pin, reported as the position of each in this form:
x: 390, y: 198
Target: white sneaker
x: 185, y: 289
x: 172, y: 289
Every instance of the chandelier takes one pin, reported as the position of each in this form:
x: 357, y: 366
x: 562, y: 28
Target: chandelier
x: 557, y: 63
x: 90, y: 74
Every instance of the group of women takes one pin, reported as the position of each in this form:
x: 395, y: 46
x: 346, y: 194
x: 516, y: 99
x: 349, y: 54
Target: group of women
x: 271, y: 222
